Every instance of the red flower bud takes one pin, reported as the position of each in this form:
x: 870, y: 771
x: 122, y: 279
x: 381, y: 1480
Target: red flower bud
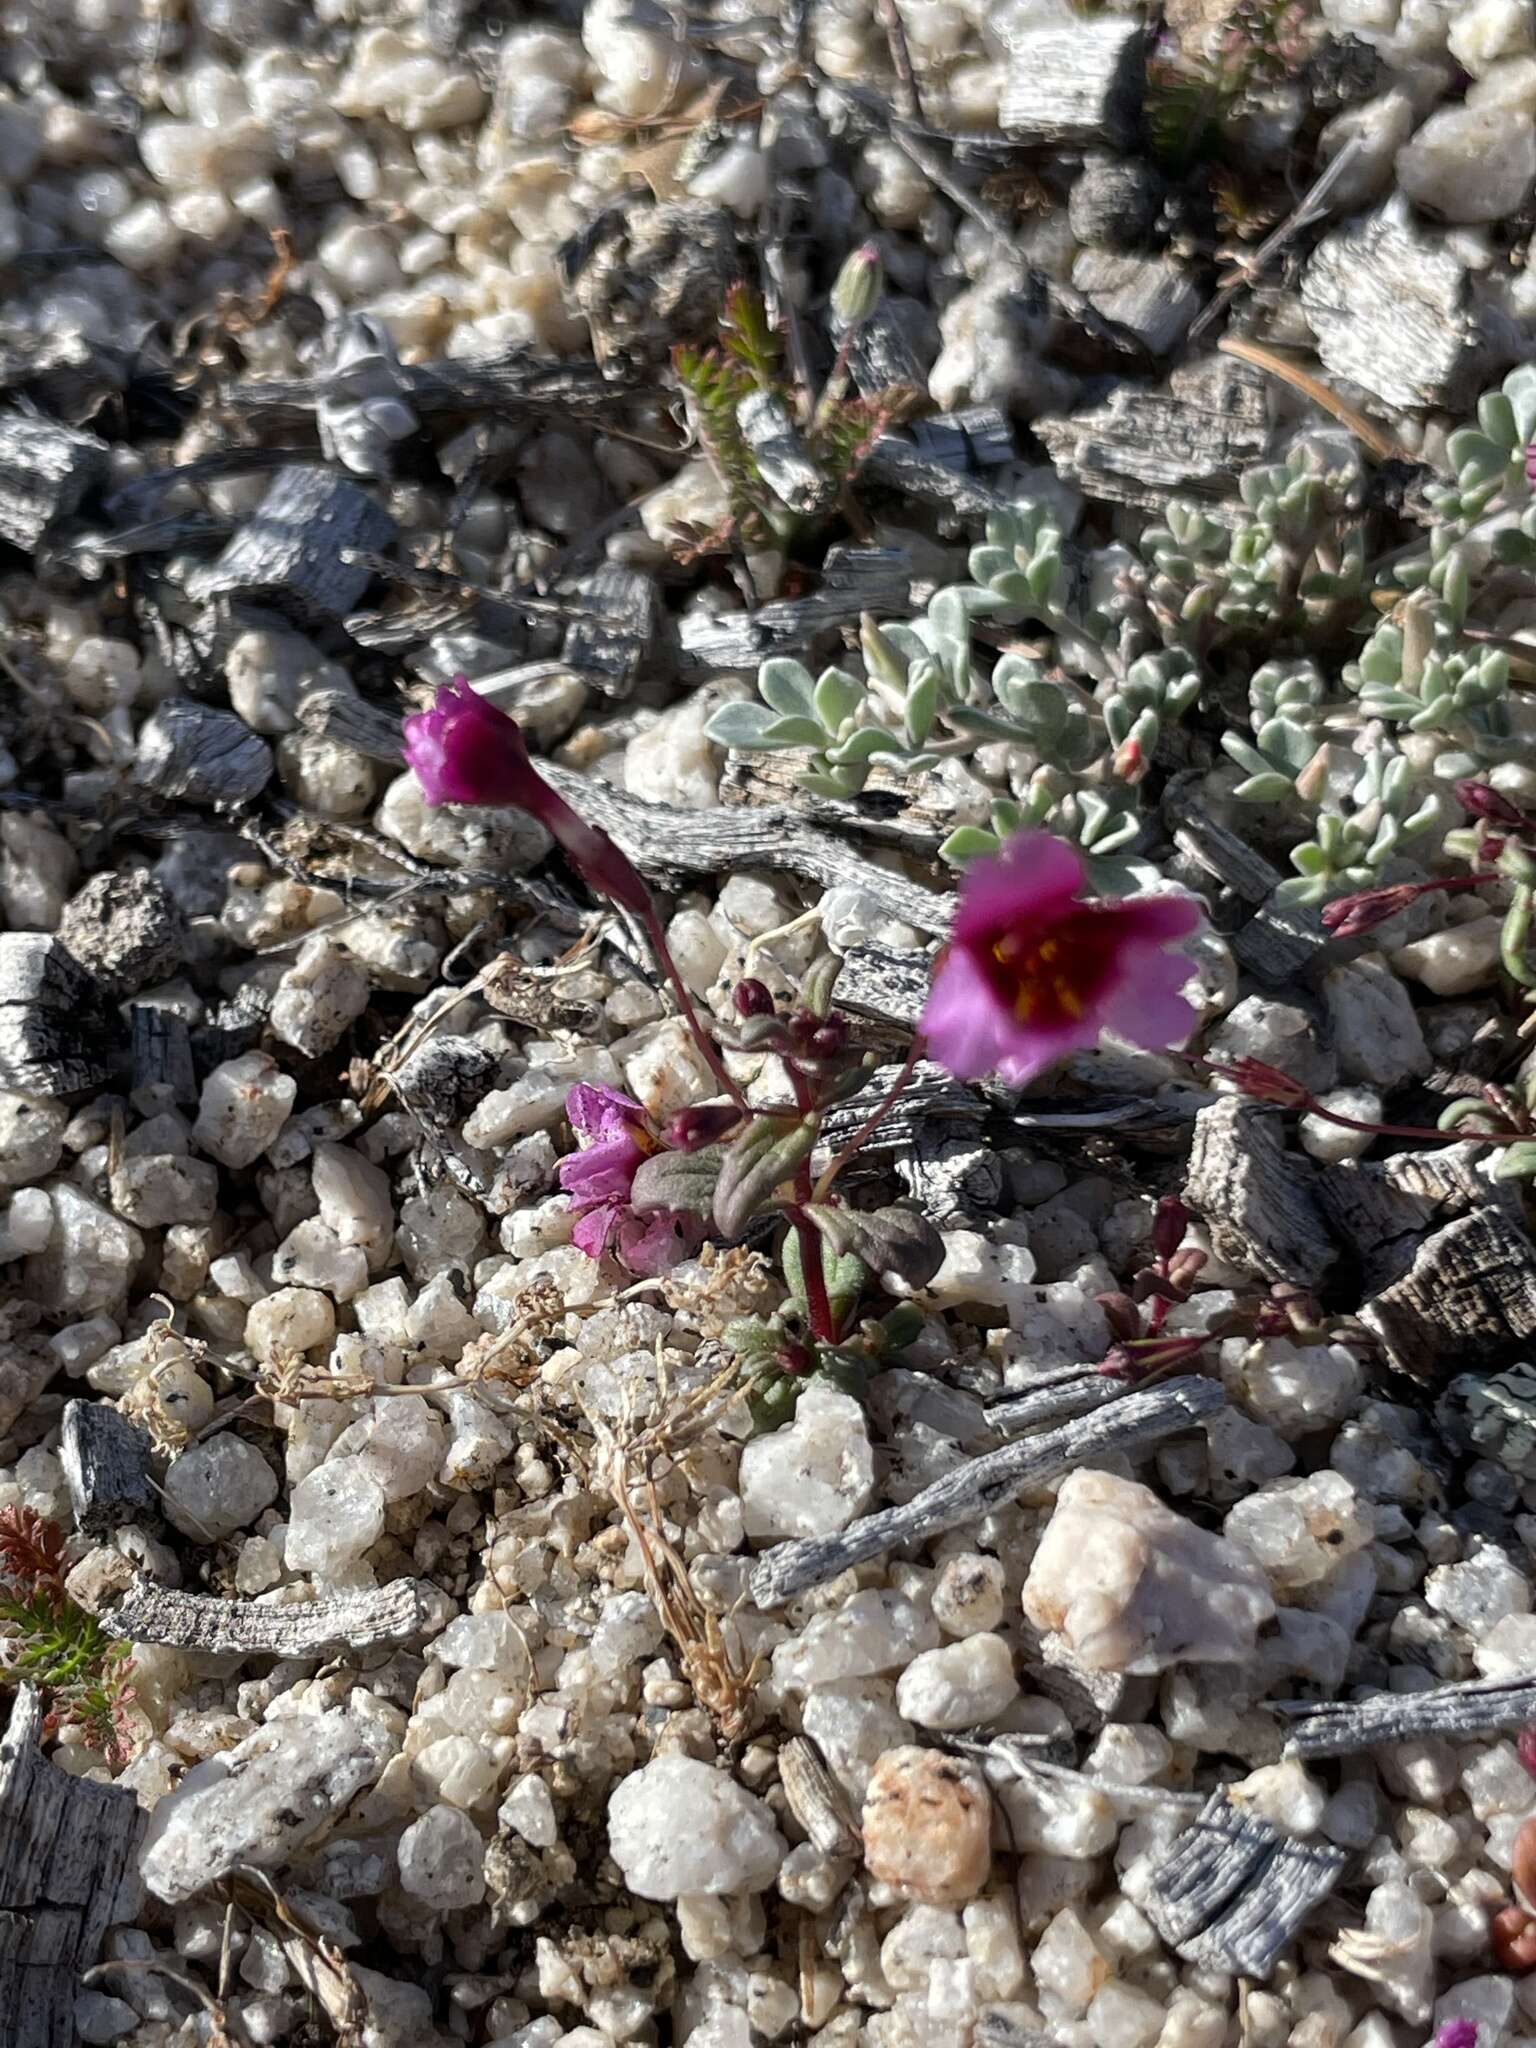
x: 1489, y: 804
x: 1169, y: 1226
x: 702, y: 1124
x: 752, y: 998
x: 465, y: 751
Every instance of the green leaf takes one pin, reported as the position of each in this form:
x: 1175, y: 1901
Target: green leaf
x: 922, y: 702
x: 1520, y: 392
x: 838, y: 696
x: 793, y: 732
x: 986, y: 564
x: 677, y: 1180
x: 1268, y: 788
x: 895, y: 1243
x: 766, y: 1153
x: 844, y: 1274
x: 788, y: 687
x: 967, y: 842
x: 1496, y: 417
x: 741, y: 725
x: 1516, y: 1162
x: 819, y: 981
x: 864, y: 743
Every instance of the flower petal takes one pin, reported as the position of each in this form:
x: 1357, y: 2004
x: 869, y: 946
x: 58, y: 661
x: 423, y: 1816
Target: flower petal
x: 595, y: 1111
x: 654, y: 1244
x: 594, y: 1231
x: 1146, y: 1005
x: 601, y: 1172
x: 966, y: 1027
x: 1031, y: 881
x: 1160, y: 918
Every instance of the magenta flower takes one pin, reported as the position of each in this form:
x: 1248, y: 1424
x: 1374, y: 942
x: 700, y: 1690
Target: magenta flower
x: 465, y: 751
x: 1457, y: 2034
x: 615, y: 1138
x: 1031, y: 973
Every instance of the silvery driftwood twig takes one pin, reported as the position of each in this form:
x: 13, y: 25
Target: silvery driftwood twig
x: 1469, y: 1293
x: 57, y: 1033
x: 372, y: 1619
x: 1456, y: 1712
x: 66, y: 1874
x: 984, y: 1483
x: 45, y: 471
x: 1232, y: 1891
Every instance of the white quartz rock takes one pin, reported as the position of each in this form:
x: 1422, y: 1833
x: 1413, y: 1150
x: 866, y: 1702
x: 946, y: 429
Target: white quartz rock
x: 1302, y: 1530
x: 1134, y: 1587
x: 217, y: 1487
x: 813, y: 1476
x: 960, y: 1685
x: 869, y: 1633
x: 334, y: 1515
x: 678, y: 1825
x: 442, y: 1860
x: 1469, y: 164
x: 261, y: 1801
x: 319, y: 996
x: 244, y: 1104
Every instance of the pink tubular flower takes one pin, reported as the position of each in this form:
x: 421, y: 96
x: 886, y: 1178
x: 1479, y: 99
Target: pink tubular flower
x: 1031, y: 973
x: 465, y: 751
x: 1457, y: 2034
x: 615, y: 1138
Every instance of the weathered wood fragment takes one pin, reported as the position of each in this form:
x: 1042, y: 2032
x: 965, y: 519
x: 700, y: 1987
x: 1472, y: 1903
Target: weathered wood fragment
x: 975, y: 437
x: 854, y: 580
x: 666, y: 843
x: 45, y: 471
x: 1283, y: 943
x: 1258, y: 1201
x: 1468, y: 1296
x: 1389, y: 303
x: 514, y: 381
x: 1074, y: 1390
x: 982, y: 1484
x: 1232, y: 1891
x: 1077, y: 85
x: 162, y: 1051
x: 1195, y: 437
x: 816, y: 1799
x: 57, y: 1033
x: 1147, y: 296
x: 882, y: 357
x: 67, y: 1849
x: 1221, y: 854
x: 297, y: 553
x: 106, y: 1467
x: 367, y: 1620
x: 1384, y: 1208
x: 897, y: 465
x: 195, y: 750
x: 888, y: 986
x: 1456, y: 1713
x: 779, y: 450
x: 615, y: 617
x: 888, y: 811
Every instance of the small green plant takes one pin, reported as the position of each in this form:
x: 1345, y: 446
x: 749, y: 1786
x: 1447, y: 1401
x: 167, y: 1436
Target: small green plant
x: 50, y: 1641
x: 784, y: 461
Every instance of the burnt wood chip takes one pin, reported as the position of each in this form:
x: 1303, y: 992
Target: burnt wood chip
x: 106, y: 1468
x: 67, y: 1850
x: 58, y: 1034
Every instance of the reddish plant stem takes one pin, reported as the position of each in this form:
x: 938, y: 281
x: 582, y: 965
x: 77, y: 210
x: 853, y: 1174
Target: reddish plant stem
x: 872, y: 1122
x: 656, y: 933
x: 818, y: 1303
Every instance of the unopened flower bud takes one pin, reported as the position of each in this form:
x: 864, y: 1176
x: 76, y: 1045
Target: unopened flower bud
x: 828, y: 1041
x: 704, y: 1123
x: 1489, y: 804
x: 859, y: 286
x: 752, y: 998
x: 1168, y: 1226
